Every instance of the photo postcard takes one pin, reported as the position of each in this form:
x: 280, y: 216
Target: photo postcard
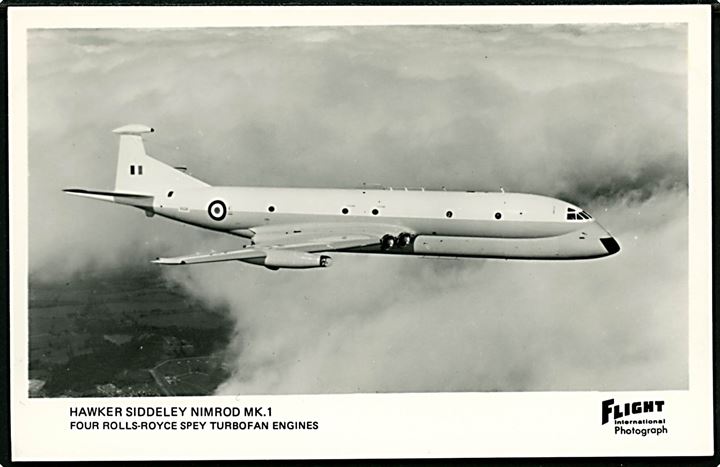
x: 359, y: 232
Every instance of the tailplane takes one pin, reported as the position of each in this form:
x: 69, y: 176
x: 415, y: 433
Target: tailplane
x: 144, y: 202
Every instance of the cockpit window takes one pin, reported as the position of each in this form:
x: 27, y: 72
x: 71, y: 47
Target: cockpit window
x: 572, y: 215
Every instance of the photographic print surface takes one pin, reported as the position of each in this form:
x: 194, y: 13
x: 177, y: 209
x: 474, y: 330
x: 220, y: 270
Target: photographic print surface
x: 604, y: 108
x: 593, y: 114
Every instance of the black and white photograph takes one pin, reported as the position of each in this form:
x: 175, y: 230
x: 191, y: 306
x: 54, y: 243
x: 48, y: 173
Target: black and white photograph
x: 394, y: 210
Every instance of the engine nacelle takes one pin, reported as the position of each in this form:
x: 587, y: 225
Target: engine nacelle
x: 290, y: 259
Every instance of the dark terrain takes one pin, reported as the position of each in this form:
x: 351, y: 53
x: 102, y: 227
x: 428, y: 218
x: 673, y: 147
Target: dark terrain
x: 123, y: 333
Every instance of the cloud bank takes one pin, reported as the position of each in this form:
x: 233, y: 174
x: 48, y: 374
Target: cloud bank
x: 374, y: 324
x: 593, y: 114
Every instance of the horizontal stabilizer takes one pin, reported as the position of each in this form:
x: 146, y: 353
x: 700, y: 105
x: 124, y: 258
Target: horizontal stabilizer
x: 133, y: 199
x: 133, y: 129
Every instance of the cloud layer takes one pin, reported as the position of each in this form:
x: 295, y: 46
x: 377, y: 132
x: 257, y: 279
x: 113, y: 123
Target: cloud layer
x: 409, y: 324
x: 593, y: 114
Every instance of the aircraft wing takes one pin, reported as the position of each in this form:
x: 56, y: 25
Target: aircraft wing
x: 299, y: 243
x: 237, y: 255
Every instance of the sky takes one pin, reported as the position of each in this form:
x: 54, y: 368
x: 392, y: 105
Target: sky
x: 592, y: 114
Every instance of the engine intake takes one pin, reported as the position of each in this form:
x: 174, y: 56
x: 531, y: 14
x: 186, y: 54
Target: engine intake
x: 387, y: 242
x: 404, y: 239
x: 291, y: 259
x: 401, y: 241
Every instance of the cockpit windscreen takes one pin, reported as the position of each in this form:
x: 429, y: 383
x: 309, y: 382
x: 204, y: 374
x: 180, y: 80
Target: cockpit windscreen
x: 573, y: 215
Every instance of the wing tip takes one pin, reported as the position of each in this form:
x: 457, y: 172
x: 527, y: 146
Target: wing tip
x: 168, y: 261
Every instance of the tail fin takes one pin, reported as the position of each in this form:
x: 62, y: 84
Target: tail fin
x: 137, y: 173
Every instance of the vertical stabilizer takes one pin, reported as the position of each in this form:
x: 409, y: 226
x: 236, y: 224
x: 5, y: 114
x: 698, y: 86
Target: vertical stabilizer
x: 139, y: 173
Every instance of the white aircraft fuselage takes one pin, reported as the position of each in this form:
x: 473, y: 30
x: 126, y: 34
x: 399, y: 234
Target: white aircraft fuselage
x: 297, y: 227
x: 443, y: 223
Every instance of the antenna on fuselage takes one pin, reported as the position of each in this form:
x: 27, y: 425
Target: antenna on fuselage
x: 377, y: 186
x: 502, y: 190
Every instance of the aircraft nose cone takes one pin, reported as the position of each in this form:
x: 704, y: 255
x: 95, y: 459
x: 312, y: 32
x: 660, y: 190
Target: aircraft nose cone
x: 611, y: 245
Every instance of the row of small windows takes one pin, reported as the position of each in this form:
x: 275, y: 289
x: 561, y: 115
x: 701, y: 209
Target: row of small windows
x: 375, y: 211
x: 133, y: 170
x: 498, y: 215
x: 577, y: 216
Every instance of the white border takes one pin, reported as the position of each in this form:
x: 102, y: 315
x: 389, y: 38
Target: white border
x: 387, y: 425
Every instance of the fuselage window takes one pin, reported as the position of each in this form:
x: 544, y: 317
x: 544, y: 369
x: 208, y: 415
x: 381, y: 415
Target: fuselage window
x: 170, y: 193
x: 449, y: 214
x: 498, y: 216
x: 139, y: 169
x: 132, y: 170
x: 345, y: 210
x: 271, y: 208
x: 375, y: 212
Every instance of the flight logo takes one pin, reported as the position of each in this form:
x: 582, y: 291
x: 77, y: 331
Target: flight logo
x: 640, y: 418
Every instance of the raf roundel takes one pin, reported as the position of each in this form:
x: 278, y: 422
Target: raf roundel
x: 217, y: 210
